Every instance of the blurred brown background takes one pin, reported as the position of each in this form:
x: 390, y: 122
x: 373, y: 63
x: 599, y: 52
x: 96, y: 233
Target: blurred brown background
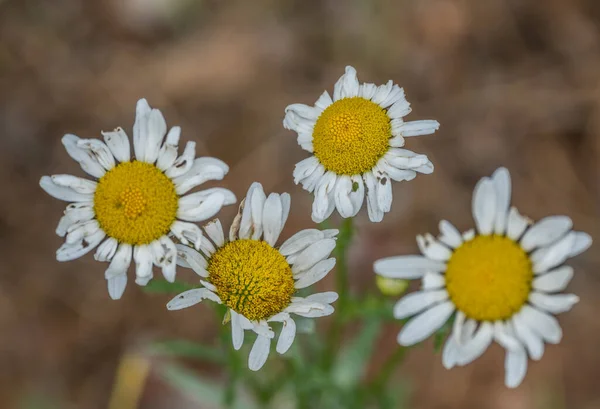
x: 513, y: 83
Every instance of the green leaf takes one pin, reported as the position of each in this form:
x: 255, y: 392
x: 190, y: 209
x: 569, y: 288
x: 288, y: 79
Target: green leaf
x: 352, y: 361
x: 159, y: 286
x: 187, y: 349
x: 203, y: 391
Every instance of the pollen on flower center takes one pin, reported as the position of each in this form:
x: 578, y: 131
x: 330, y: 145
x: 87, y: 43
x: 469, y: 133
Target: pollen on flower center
x: 252, y: 278
x: 351, y: 135
x: 489, y: 278
x: 135, y: 203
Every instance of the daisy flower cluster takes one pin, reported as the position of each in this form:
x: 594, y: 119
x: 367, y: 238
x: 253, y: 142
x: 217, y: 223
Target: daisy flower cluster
x: 500, y: 282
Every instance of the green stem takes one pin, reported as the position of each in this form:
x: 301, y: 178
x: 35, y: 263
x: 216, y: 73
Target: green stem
x: 341, y: 279
x: 341, y: 252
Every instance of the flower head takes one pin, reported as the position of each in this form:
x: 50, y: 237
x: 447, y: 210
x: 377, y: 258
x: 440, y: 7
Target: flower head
x: 356, y: 140
x: 502, y: 282
x: 133, y: 204
x: 257, y: 280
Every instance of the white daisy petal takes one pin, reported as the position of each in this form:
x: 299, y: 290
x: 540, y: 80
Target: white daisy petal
x: 165, y: 257
x: 516, y: 224
x: 140, y: 128
x: 300, y: 241
x: 118, y: 143
x: 342, y: 190
x: 433, y: 249
x: 407, y: 267
x: 72, y: 251
x: 555, y: 303
x: 555, y: 280
x: 515, y: 366
x: 272, y: 217
x: 545, y: 232
x: 88, y: 162
x: 168, y: 151
x: 286, y: 337
x: 399, y: 109
x: 79, y: 185
x: 324, y: 201
x: 157, y: 128
x: 502, y: 186
x: 373, y: 208
x: 209, y: 286
x: 190, y: 258
x: 214, y: 229
x: 120, y: 261
x: 201, y: 171
x: 237, y: 332
x: 469, y: 235
x: 259, y: 353
x: 324, y: 101
x: 450, y: 353
x: 583, y: 241
x: 347, y: 86
x: 203, y: 205
x: 384, y: 193
x: 97, y: 151
x: 286, y: 203
x: 416, y: 302
x: 357, y: 194
x: 484, y: 206
x: 418, y: 128
x: 328, y: 297
x: 63, y: 193
x: 143, y: 257
x: 425, y: 324
x: 533, y: 343
x: 247, y: 224
x: 116, y: 286
x: 314, y: 274
x: 450, y: 235
x: 191, y: 297
x: 475, y: 346
x: 314, y: 253
x: 546, y: 258
x: 310, y: 309
x: 433, y: 281
x: 77, y: 232
x: 187, y: 233
x: 106, y: 250
x: 399, y: 175
x: 305, y: 169
x: 541, y: 323
x: 75, y: 213
x: 505, y: 338
x: 184, y: 162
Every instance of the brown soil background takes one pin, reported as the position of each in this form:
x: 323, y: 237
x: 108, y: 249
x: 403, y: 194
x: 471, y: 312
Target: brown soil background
x: 513, y: 83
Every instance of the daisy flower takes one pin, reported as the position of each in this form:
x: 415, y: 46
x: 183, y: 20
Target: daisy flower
x: 133, y: 204
x: 356, y: 140
x: 501, y: 282
x: 256, y: 280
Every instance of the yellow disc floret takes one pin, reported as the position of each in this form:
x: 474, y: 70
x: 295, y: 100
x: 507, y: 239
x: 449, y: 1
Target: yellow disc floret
x: 135, y: 203
x: 252, y: 278
x: 351, y: 135
x: 489, y: 278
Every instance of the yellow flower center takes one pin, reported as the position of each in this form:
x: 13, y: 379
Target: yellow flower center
x: 252, y: 278
x: 135, y: 203
x: 351, y: 135
x: 489, y: 278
